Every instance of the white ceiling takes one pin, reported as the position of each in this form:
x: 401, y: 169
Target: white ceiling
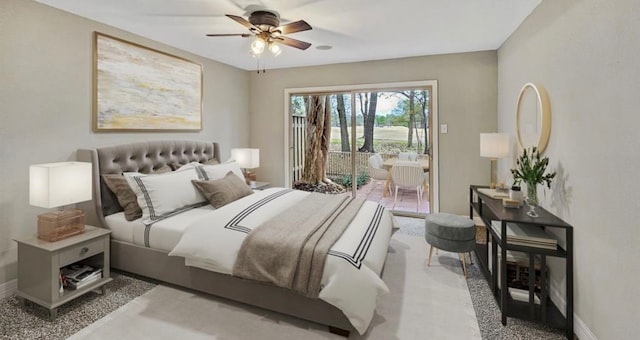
x: 355, y: 29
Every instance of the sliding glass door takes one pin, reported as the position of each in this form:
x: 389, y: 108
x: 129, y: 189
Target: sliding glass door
x: 354, y: 139
x: 389, y: 125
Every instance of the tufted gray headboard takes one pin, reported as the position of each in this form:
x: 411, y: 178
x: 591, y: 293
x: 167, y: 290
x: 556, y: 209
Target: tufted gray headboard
x: 142, y: 157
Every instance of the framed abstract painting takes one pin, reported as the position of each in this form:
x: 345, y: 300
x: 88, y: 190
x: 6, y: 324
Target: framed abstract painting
x: 136, y: 88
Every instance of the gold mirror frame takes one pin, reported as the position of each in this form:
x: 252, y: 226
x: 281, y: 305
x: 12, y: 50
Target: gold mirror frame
x: 544, y: 110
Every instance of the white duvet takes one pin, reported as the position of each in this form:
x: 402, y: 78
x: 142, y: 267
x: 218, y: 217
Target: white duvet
x: 351, y: 279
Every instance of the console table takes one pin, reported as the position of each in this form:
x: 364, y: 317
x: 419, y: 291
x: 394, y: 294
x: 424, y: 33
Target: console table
x: 489, y: 209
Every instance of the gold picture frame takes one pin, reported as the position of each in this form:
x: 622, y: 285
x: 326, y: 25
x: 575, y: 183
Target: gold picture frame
x: 137, y: 89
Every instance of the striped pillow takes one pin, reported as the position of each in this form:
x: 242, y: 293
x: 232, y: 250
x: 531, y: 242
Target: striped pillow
x: 126, y: 197
x: 165, y: 195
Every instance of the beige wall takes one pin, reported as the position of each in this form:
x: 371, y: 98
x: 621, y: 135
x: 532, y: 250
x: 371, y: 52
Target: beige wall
x: 586, y: 55
x: 467, y: 103
x: 45, y: 105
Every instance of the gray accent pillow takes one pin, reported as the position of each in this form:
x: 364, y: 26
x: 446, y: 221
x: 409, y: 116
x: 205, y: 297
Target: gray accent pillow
x: 126, y: 197
x: 220, y: 192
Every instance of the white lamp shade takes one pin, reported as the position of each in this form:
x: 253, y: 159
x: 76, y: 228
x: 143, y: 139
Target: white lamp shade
x: 494, y: 145
x: 56, y: 184
x: 246, y: 158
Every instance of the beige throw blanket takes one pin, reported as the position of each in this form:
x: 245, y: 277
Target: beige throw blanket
x: 290, y: 249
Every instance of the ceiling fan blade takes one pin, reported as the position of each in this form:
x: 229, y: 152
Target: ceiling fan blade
x: 244, y: 35
x: 294, y: 27
x: 293, y: 43
x: 244, y: 22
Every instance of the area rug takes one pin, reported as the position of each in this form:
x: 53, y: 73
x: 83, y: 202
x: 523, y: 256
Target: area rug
x: 32, y: 321
x: 484, y: 303
x: 424, y: 303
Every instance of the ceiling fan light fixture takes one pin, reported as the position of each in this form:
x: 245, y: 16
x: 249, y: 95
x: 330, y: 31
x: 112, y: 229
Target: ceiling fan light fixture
x: 275, y: 49
x: 257, y: 46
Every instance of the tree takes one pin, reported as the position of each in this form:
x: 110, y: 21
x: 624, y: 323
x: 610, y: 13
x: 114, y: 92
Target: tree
x: 368, y: 105
x: 413, y: 112
x: 381, y: 121
x: 342, y: 117
x: 407, y: 107
x: 318, y: 137
x: 412, y: 118
x: 424, y: 100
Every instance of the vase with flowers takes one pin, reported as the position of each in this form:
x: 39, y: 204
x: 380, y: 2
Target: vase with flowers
x: 530, y: 169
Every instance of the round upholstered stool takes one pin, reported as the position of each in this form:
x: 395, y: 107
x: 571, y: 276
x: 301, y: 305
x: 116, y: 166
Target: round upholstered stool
x: 452, y: 233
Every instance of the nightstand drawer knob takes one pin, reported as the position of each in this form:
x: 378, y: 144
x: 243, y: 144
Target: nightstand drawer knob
x: 84, y: 250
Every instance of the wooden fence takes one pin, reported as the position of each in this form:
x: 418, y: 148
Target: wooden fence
x: 298, y: 125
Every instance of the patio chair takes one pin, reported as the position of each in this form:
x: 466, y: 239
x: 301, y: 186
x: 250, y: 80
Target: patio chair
x: 376, y: 171
x: 408, y: 156
x: 408, y: 175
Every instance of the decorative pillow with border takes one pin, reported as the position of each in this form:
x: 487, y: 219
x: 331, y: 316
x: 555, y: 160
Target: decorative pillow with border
x: 220, y: 192
x: 126, y: 197
x: 166, y: 195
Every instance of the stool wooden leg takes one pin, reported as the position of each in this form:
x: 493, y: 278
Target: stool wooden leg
x: 464, y: 265
x: 430, y: 252
x: 470, y: 258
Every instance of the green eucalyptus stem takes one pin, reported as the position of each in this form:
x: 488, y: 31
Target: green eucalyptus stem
x: 530, y: 168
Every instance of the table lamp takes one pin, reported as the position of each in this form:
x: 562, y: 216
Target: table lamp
x: 494, y: 146
x: 53, y: 185
x: 247, y: 159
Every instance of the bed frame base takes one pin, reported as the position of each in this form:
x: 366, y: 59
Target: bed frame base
x: 135, y: 259
x: 338, y: 331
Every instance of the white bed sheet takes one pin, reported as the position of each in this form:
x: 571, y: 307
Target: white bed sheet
x: 350, y: 278
x: 162, y: 235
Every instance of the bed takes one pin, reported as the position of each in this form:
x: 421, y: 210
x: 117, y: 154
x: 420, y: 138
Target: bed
x: 136, y: 248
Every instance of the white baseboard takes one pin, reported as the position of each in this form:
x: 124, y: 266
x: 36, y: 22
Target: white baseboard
x: 580, y: 328
x: 8, y: 288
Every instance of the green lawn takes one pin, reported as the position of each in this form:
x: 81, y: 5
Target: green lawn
x: 391, y: 139
x: 398, y: 133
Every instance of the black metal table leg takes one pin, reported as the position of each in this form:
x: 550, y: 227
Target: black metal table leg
x: 503, y: 273
x: 532, y: 288
x: 544, y: 288
x: 569, y: 287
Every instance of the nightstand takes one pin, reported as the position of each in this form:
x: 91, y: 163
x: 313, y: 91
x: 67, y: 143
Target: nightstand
x: 259, y: 185
x: 39, y: 264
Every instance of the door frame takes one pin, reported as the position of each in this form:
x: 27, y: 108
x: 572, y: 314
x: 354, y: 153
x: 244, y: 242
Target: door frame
x: 434, y: 187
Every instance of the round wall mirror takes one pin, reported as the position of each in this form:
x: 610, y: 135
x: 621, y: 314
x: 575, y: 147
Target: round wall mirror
x: 533, y: 117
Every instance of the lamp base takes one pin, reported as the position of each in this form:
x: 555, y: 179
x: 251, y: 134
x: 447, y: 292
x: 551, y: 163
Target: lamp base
x: 249, y: 176
x: 58, y: 225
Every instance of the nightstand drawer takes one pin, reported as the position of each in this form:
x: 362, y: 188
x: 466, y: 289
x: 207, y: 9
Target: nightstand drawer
x: 80, y: 252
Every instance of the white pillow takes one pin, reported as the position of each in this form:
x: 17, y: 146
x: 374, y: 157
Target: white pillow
x: 164, y: 195
x: 218, y: 171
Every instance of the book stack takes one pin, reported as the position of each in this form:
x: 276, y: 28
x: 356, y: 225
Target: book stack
x: 494, y: 193
x: 531, y: 236
x: 509, y: 203
x: 76, y: 276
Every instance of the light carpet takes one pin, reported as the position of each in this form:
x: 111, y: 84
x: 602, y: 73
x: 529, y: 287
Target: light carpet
x: 424, y: 303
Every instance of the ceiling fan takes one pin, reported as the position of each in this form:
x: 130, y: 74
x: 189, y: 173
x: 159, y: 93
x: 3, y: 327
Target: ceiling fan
x: 265, y: 26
